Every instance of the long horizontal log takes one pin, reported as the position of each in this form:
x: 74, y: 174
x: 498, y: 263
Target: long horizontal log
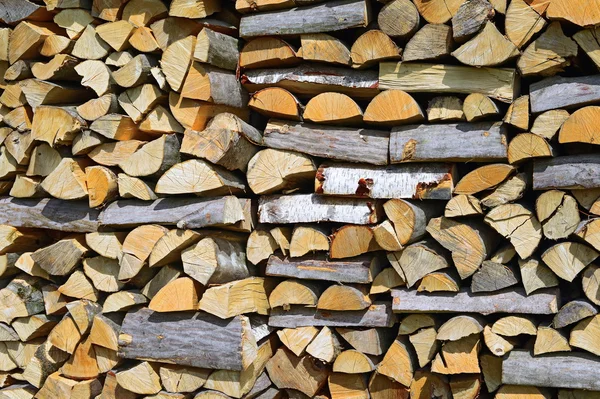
x: 359, y: 270
x: 559, y: 92
x: 480, y: 142
x: 570, y: 172
x: 573, y: 370
x: 311, y: 208
x: 420, y: 181
x: 340, y: 143
x: 499, y: 83
x: 333, y: 16
x: 190, y: 213
x: 308, y: 79
x: 185, y: 338
x: 377, y: 315
x: 53, y: 214
x: 508, y: 301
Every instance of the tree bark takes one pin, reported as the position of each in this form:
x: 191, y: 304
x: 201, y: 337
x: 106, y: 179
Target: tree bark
x: 345, y: 144
x: 377, y: 315
x: 333, y: 16
x: 185, y: 338
x: 559, y: 92
x: 575, y: 370
x: 568, y: 172
x: 484, y: 141
x: 509, y: 301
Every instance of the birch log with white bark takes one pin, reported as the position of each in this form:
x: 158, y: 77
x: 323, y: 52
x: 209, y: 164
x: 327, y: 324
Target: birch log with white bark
x: 478, y: 142
x: 499, y: 83
x: 311, y: 208
x: 188, y: 213
x: 315, y: 79
x: 507, y: 301
x: 359, y: 270
x: 573, y: 370
x: 570, y: 172
x: 54, y: 214
x: 340, y: 143
x: 332, y: 16
x: 419, y: 181
x: 186, y: 338
x: 377, y: 315
x: 559, y: 92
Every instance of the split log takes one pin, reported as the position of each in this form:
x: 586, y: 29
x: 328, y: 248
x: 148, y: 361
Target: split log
x: 522, y: 22
x: 512, y: 326
x: 535, y: 275
x: 526, y: 146
x: 582, y: 335
x: 296, y: 339
x: 374, y: 46
x: 46, y: 360
x: 478, y: 107
x: 215, y: 261
x: 349, y: 241
x: 132, y: 187
x: 124, y: 300
x: 508, y: 301
x: 463, y: 205
x: 437, y: 11
x: 377, y: 315
x: 573, y: 312
x: 497, y: 344
x: 549, y: 54
x: 178, y: 295
x: 310, y: 208
x: 559, y: 92
x: 559, y: 214
x: 425, y: 345
x: 114, y: 152
x: 344, y: 298
x: 578, y: 127
x: 497, y: 83
x: 470, y: 18
x: 457, y: 357
x: 272, y: 170
x: 478, y: 51
x: 260, y: 246
x: 393, y: 107
x: 141, y: 379
x: 182, y: 379
x: 276, y: 102
x: 189, y: 213
x: 215, y: 85
x: 143, y: 40
x: 324, y: 48
x: 142, y: 12
x: 470, y: 243
x: 426, y: 384
x: 360, y: 270
x: 568, y: 259
x: 521, y: 368
x: 238, y: 297
x: 399, y: 362
x: 230, y: 347
x: 547, y: 124
x: 445, y: 109
x: 562, y: 10
x: 295, y: 292
x: 324, y: 18
x: 333, y: 108
x: 56, y: 125
x: 431, y: 42
x: 492, y: 277
x: 137, y: 71
x: 510, y: 190
x: 266, y: 52
x: 483, y: 178
x: 549, y: 340
x: 353, y: 362
x: 307, y: 239
x: 98, y: 107
x: 517, y: 224
x: 568, y: 172
x: 420, y: 259
x: 38, y: 92
x: 314, y: 79
x: 399, y: 19
x: 300, y: 373
x: 216, y: 49
x: 418, y: 143
x: 325, y: 347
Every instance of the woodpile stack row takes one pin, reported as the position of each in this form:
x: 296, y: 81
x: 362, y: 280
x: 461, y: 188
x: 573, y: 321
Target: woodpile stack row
x: 299, y: 198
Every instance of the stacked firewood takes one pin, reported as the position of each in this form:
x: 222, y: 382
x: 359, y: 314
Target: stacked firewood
x: 299, y: 198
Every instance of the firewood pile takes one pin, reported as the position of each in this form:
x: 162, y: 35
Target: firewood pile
x: 299, y: 199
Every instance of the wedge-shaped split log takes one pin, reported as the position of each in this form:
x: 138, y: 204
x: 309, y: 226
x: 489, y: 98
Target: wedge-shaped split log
x: 483, y: 141
x: 310, y: 208
x: 419, y: 181
x: 187, y: 338
x: 507, y: 301
x: 339, y: 143
x: 576, y: 370
x: 377, y: 315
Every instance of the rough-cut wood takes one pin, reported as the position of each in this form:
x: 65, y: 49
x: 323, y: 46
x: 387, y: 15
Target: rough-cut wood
x: 573, y: 312
x: 438, y: 11
x: 276, y: 102
x: 489, y: 48
x: 393, y: 107
x: 492, y: 277
x: 483, y: 141
x: 497, y: 83
x: 522, y: 22
x: 349, y: 241
x: 324, y: 48
x: 238, y: 297
x: 568, y: 259
x: 549, y: 54
x: 377, y: 315
x: 470, y: 18
x: 572, y: 12
x: 334, y: 16
x: 307, y: 239
x: 547, y: 124
x: 295, y: 292
x: 508, y: 301
x: 445, y: 109
x: 526, y: 146
x: 426, y: 384
x: 559, y: 92
x: 215, y: 85
x: 310, y: 208
x: 215, y: 260
x: 431, y: 42
x: 479, y: 107
x: 141, y: 334
x: 332, y: 108
x: 399, y: 362
x: 578, y: 128
x: 300, y: 373
x: 568, y: 172
x: 559, y: 214
x: 458, y: 357
x: 517, y: 224
x: 550, y: 371
x: 265, y: 52
x: 399, y: 19
x: 535, y: 275
x: 272, y: 170
x: 313, y: 80
x: 367, y: 145
x: 549, y: 340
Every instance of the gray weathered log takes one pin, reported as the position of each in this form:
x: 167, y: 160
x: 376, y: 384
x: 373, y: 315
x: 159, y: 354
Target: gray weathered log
x: 559, y: 92
x: 315, y: 79
x: 359, y: 270
x: 53, y: 214
x: 191, y: 213
x: 508, y: 301
x: 484, y: 141
x: 573, y: 370
x: 311, y: 208
x: 332, y: 16
x: 377, y: 315
x: 13, y: 11
x: 573, y: 312
x: 421, y: 181
x: 470, y: 19
x: 569, y: 172
x: 185, y: 338
x: 493, y: 277
x: 341, y: 143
